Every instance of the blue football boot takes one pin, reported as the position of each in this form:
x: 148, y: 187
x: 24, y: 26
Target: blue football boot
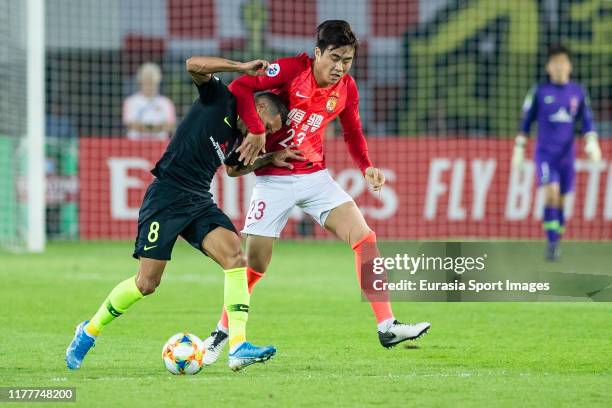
x: 80, y: 345
x: 248, y: 354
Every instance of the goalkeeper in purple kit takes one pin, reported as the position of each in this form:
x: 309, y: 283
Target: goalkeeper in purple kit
x: 556, y: 105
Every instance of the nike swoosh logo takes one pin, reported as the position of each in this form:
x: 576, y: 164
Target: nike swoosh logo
x: 226, y: 120
x: 146, y: 248
x: 301, y: 96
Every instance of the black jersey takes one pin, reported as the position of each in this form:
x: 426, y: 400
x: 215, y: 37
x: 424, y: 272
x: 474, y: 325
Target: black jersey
x: 198, y: 147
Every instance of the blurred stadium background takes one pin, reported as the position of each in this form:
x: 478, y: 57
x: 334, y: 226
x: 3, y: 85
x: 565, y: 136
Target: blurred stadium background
x: 441, y: 85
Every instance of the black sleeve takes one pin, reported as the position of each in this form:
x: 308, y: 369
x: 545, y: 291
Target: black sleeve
x: 211, y: 90
x: 231, y: 158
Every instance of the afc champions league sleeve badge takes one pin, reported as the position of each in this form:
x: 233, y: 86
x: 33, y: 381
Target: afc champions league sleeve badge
x: 332, y: 101
x: 273, y: 70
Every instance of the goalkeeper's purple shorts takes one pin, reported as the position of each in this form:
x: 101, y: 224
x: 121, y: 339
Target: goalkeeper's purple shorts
x: 561, y: 172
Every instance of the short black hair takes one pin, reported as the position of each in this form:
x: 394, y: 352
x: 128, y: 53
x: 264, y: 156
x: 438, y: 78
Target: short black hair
x: 335, y: 33
x: 558, y: 49
x: 277, y: 107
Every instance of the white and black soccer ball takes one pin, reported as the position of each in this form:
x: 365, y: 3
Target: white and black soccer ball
x: 183, y: 353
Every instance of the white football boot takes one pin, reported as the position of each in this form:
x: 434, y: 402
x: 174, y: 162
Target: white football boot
x: 400, y: 332
x: 214, y: 345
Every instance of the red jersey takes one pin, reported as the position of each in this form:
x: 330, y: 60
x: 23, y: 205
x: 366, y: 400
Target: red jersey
x: 311, y: 108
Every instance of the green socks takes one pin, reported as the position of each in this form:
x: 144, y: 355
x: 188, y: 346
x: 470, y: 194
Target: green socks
x: 124, y: 295
x: 236, y: 299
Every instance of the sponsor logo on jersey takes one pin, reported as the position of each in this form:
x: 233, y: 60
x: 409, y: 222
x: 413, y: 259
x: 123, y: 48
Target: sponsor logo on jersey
x: 548, y: 99
x: 573, y: 105
x: 299, y: 95
x: 561, y: 116
x: 273, y: 70
x: 330, y: 106
x: 218, y: 149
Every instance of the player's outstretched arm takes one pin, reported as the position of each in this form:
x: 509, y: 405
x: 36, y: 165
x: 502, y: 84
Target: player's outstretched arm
x: 278, y: 159
x: 352, y: 132
x: 591, y: 143
x: 528, y: 116
x: 277, y: 75
x: 201, y: 68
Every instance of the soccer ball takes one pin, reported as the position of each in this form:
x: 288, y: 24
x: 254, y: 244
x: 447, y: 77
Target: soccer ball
x: 183, y: 353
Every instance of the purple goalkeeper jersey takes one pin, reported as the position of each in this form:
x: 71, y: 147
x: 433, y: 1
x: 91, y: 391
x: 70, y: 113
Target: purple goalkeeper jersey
x: 556, y: 108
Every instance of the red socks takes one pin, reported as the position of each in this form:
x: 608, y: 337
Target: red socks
x: 365, y: 252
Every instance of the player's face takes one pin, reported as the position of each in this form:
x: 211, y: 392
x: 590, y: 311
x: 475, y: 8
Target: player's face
x: 559, y: 68
x: 149, y: 86
x: 271, y: 122
x: 331, y: 64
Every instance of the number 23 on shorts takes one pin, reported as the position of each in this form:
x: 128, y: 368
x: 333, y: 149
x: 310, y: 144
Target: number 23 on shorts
x: 256, y: 211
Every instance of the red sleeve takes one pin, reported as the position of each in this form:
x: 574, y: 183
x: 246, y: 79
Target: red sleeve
x: 351, y: 125
x: 278, y: 74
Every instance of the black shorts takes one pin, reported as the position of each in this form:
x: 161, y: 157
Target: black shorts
x: 168, y: 212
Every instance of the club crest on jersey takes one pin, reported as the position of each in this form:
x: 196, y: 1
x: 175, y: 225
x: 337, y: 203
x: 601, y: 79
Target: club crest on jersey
x: 273, y: 70
x: 330, y: 106
x: 573, y: 105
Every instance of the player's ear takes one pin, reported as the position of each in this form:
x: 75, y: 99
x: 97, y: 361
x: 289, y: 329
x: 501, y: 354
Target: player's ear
x: 317, y: 53
x: 277, y: 123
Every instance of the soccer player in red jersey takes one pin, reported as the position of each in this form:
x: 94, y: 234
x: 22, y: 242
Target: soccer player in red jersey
x: 316, y: 91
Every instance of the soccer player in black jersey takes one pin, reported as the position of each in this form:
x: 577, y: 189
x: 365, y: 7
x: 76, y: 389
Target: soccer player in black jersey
x: 178, y: 202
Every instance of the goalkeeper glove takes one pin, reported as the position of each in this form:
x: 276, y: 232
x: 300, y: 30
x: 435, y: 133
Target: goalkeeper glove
x: 518, y: 154
x: 591, y: 146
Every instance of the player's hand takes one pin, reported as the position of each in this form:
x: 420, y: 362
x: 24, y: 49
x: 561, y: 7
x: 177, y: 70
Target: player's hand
x: 518, y: 153
x: 255, y: 67
x: 518, y: 157
x: 591, y: 147
x: 375, y: 177
x: 250, y: 148
x: 279, y: 159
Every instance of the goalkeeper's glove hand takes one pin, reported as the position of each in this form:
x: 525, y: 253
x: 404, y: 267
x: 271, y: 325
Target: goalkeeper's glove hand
x: 591, y: 147
x: 518, y: 154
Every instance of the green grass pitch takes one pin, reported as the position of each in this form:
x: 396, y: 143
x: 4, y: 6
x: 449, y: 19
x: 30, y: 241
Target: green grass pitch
x: 476, y: 354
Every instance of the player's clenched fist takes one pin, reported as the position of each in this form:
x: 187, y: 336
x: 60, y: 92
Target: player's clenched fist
x: 375, y: 177
x: 255, y: 67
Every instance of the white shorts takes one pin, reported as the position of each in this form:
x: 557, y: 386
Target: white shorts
x: 274, y: 197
